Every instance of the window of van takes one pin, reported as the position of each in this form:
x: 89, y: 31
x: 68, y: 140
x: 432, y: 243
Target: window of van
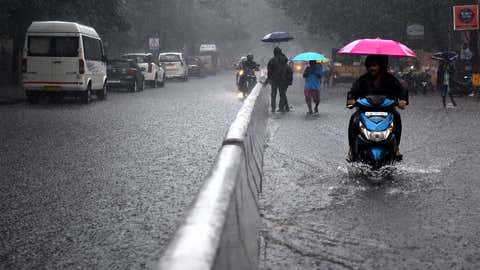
x: 53, y: 46
x: 92, y: 49
x: 169, y: 58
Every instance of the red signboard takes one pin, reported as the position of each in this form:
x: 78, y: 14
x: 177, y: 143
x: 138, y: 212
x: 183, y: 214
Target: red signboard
x: 465, y: 17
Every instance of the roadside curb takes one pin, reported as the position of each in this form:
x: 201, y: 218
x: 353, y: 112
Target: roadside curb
x: 4, y: 101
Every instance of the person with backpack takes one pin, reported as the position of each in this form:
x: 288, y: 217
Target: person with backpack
x: 277, y: 76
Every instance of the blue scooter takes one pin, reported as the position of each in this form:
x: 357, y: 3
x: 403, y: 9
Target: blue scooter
x: 375, y: 144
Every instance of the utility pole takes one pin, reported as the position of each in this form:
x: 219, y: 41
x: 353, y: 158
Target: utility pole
x: 476, y: 63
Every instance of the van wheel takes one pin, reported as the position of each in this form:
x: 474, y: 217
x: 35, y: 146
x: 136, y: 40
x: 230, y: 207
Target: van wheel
x: 86, y: 96
x: 33, y: 98
x: 102, y: 93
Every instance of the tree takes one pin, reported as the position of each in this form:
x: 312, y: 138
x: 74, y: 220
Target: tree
x: 347, y: 20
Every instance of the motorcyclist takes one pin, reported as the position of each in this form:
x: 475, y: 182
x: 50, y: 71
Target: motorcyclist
x: 249, y: 63
x: 376, y: 81
x: 248, y: 67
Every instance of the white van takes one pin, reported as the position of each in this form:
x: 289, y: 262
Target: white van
x: 63, y: 58
x: 174, y: 64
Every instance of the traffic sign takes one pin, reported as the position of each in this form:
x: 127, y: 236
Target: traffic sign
x: 154, y: 44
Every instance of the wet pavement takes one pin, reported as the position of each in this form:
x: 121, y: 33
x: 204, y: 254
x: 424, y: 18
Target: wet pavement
x: 104, y: 185
x: 321, y: 213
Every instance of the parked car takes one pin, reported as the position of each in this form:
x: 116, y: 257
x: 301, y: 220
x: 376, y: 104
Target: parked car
x: 154, y: 74
x: 196, y: 67
x: 125, y: 73
x: 175, y: 65
x: 63, y: 58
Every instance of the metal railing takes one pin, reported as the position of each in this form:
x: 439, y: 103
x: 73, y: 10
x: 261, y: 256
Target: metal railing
x: 221, y: 228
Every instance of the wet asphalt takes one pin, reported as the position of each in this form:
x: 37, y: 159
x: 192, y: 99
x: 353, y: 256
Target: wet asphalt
x: 319, y: 212
x: 104, y: 185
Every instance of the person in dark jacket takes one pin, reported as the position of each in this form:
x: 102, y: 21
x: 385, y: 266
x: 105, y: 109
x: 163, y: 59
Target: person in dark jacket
x: 444, y: 81
x: 277, y: 76
x: 377, y: 81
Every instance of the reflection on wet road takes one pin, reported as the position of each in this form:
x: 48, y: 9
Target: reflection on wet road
x: 104, y: 185
x: 322, y: 213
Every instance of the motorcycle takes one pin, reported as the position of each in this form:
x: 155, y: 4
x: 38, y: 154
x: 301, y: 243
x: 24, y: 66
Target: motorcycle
x: 463, y: 86
x: 375, y: 144
x: 424, y: 83
x: 247, y: 80
x: 408, y: 81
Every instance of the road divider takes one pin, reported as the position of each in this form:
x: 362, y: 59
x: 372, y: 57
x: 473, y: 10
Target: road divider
x: 221, y: 229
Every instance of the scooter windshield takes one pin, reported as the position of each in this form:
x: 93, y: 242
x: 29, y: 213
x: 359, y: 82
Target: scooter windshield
x: 376, y: 102
x: 376, y: 122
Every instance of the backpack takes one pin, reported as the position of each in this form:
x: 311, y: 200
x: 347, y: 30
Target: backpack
x: 289, y: 74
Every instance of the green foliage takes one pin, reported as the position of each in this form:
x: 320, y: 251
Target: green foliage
x: 346, y: 20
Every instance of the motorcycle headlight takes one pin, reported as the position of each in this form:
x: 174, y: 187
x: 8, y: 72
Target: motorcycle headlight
x: 241, y: 72
x: 376, y: 136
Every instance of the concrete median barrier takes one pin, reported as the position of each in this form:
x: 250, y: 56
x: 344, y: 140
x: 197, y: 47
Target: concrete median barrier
x: 221, y: 228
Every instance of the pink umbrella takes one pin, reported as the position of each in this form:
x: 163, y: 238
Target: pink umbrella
x: 377, y: 46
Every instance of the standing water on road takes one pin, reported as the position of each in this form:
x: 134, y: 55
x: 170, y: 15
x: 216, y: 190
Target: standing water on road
x: 321, y: 212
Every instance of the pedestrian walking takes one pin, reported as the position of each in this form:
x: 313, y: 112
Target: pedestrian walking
x: 277, y: 76
x: 327, y: 74
x: 313, y: 81
x: 444, y: 81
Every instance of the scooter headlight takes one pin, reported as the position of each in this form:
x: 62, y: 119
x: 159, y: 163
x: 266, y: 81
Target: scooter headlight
x: 376, y: 136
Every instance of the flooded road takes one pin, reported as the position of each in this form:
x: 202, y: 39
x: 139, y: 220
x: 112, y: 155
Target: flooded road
x: 319, y: 212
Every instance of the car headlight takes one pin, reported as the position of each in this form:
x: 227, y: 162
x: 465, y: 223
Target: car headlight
x: 376, y: 136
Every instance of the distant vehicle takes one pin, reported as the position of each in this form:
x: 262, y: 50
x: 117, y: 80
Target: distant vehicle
x: 208, y: 53
x: 154, y: 74
x: 125, y: 73
x: 63, y: 58
x: 195, y: 67
x: 175, y: 65
x: 346, y: 68
x: 297, y: 66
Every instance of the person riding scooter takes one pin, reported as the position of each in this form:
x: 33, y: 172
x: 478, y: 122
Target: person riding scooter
x: 377, y: 81
x: 250, y: 63
x: 246, y: 75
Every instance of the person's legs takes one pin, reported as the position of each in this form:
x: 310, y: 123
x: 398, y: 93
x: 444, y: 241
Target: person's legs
x: 283, y: 97
x: 316, y: 99
x: 308, y: 99
x: 397, y: 122
x: 453, y: 101
x: 287, y: 107
x: 273, y: 95
x: 352, y: 133
x: 443, y: 93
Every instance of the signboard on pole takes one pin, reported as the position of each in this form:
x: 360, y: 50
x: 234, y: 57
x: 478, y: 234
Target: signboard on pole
x: 465, y: 17
x: 416, y: 31
x: 154, y: 44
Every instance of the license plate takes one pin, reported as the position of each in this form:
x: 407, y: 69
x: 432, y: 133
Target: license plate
x: 112, y: 81
x: 52, y: 88
x: 376, y: 114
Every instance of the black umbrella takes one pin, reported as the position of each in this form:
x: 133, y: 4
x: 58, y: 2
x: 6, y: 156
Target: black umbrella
x: 445, y: 56
x: 277, y: 37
